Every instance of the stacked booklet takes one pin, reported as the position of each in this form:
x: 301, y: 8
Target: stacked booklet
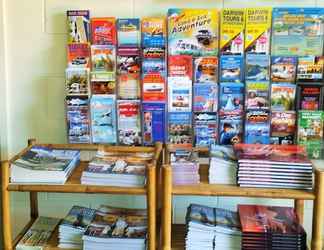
x: 185, y: 167
x: 212, y: 229
x: 223, y: 165
x: 117, y: 228
x: 274, y: 166
x: 39, y: 234
x: 73, y: 227
x: 115, y: 170
x: 44, y: 165
x: 268, y: 227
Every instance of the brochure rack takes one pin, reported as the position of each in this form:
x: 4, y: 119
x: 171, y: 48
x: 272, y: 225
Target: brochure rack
x: 73, y: 185
x: 173, y: 236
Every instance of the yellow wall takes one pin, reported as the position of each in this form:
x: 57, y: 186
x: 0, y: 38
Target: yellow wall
x: 32, y: 63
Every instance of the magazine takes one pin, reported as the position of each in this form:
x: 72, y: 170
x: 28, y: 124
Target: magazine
x: 154, y: 87
x: 103, y: 119
x: 103, y: 58
x: 257, y: 127
x: 283, y: 69
x: 117, y: 223
x: 258, y: 30
x: 269, y: 220
x: 193, y: 32
x: 154, y: 32
x: 310, y: 68
x: 272, y: 154
x: 103, y: 87
x: 39, y: 234
x: 78, y: 218
x: 129, y: 122
x: 206, y: 69
x: 180, y: 66
x: 205, y: 129
x: 180, y: 128
x: 257, y: 68
x: 180, y: 94
x: 128, y: 61
x: 153, y: 53
x: 309, y: 97
x: 153, y: 122
x: 103, y: 31
x: 78, y: 26
x: 129, y: 86
x: 231, y: 68
x: 128, y: 31
x: 231, y: 98
x: 283, y: 127
x: 310, y: 126
x: 77, y: 81
x: 297, y: 31
x: 257, y: 95
x: 115, y: 171
x: 77, y: 116
x: 78, y: 55
x: 230, y: 130
x: 205, y: 97
x: 283, y: 96
x: 232, y: 26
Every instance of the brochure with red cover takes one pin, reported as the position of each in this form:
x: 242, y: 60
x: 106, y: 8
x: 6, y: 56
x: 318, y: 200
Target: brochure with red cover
x: 276, y: 154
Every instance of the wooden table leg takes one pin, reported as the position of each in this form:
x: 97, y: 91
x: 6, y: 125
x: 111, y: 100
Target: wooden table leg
x: 33, y: 197
x: 6, y: 217
x: 151, y: 203
x: 166, y: 208
x: 299, y: 208
x: 318, y: 211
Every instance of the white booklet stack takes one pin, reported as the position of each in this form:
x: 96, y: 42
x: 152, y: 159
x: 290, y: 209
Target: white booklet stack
x: 223, y: 165
x: 44, y: 165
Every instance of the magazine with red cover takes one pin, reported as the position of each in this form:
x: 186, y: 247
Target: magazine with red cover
x: 269, y: 219
x: 180, y: 65
x: 276, y: 154
x: 103, y: 31
x: 78, y: 55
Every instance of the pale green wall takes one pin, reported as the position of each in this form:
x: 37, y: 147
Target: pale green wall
x: 33, y: 83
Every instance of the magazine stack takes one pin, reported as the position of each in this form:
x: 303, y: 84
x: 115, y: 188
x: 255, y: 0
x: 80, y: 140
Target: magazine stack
x: 268, y: 227
x: 212, y: 228
x: 223, y: 165
x: 44, y: 165
x: 73, y: 227
x: 39, y: 234
x: 185, y: 167
x: 117, y: 228
x: 273, y: 166
x: 118, y: 170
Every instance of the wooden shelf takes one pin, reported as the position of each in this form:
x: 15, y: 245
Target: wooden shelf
x: 73, y: 185
x: 204, y: 188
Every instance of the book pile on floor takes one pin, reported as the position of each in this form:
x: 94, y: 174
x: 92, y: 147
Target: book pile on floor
x: 116, y: 170
x: 223, y: 165
x: 39, y: 234
x: 212, y: 228
x: 274, y: 166
x: 117, y: 228
x: 73, y: 227
x: 185, y: 167
x: 44, y: 165
x: 266, y: 227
